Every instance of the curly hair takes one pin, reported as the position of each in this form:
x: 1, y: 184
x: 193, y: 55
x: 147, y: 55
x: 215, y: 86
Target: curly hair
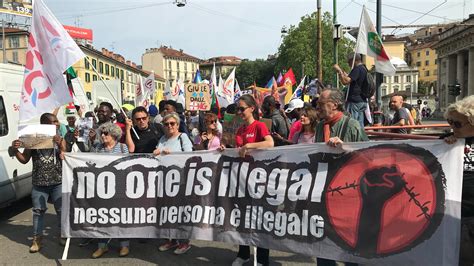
x: 114, y: 130
x: 464, y: 107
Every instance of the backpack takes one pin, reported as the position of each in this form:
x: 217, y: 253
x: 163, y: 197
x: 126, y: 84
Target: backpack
x: 369, y: 89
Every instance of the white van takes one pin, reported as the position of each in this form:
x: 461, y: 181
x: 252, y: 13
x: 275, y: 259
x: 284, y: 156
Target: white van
x: 15, y: 177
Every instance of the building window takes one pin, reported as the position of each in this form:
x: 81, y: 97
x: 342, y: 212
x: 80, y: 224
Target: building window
x: 1, y: 45
x: 395, y: 88
x: 427, y: 62
x: 107, y: 69
x: 384, y: 92
x: 94, y: 77
x: 185, y: 67
x: 177, y: 66
x: 435, y: 72
x: 408, y: 78
x: 169, y: 65
x: 395, y: 79
x: 86, y: 63
x: 384, y: 79
x: 14, y: 42
x: 427, y: 73
x: 427, y: 52
x: 418, y: 64
x: 121, y: 74
x: 436, y: 61
x: 94, y: 63
x: 88, y: 77
x: 15, y: 56
x: 169, y: 74
x: 117, y: 73
x: 112, y: 71
x: 418, y: 54
x: 101, y: 67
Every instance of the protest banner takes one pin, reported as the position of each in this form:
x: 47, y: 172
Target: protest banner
x: 381, y: 203
x: 198, y: 97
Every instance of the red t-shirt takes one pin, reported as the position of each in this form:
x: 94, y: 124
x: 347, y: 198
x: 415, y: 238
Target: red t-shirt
x: 255, y: 132
x: 296, y: 127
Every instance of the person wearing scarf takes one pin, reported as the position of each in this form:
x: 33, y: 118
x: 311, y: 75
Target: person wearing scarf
x: 330, y: 107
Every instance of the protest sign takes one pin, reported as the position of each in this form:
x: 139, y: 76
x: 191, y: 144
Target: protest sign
x: 380, y: 203
x: 84, y: 125
x: 37, y: 136
x: 198, y: 97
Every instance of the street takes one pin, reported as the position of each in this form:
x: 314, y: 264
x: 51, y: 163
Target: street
x: 15, y: 238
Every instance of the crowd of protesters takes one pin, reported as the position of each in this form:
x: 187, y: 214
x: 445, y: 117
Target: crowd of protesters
x: 169, y: 129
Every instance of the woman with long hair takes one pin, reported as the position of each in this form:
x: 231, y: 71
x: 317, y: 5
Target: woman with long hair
x: 210, y: 139
x: 309, y: 119
x: 252, y: 135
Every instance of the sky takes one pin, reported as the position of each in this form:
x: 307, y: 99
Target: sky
x: 244, y: 28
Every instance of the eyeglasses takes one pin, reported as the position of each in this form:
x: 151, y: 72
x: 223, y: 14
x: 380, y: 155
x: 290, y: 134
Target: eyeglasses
x: 141, y: 118
x: 167, y: 124
x: 456, y: 124
x: 211, y: 121
x: 241, y: 109
x: 105, y: 133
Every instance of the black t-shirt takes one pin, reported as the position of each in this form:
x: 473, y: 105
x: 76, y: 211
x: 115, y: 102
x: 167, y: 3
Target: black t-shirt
x: 148, y: 139
x: 358, y: 77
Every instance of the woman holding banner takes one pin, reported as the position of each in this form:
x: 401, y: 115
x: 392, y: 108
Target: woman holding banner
x: 211, y: 138
x: 252, y: 135
x: 173, y: 141
x: 110, y: 135
x: 460, y: 116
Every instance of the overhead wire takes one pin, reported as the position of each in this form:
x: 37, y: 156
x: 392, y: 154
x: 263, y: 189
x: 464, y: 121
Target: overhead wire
x: 110, y: 11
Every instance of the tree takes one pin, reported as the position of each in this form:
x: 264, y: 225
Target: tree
x: 258, y: 71
x: 299, y: 47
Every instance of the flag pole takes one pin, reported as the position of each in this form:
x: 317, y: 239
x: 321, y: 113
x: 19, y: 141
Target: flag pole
x: 111, y: 94
x: 355, y: 51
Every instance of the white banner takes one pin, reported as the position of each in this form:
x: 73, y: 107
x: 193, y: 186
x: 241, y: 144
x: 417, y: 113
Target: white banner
x: 379, y: 203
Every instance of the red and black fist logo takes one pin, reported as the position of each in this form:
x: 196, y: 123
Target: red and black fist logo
x: 385, y: 199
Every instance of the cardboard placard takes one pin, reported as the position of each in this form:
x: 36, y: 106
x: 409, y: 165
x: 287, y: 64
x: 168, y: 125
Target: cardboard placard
x: 37, y: 136
x: 198, y: 97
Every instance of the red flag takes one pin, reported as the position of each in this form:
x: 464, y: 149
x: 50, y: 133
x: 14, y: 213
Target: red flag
x: 289, y: 75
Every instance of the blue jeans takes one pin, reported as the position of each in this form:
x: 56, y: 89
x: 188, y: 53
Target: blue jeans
x: 39, y: 197
x: 357, y: 111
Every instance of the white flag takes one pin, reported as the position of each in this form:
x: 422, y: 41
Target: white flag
x: 213, y: 82
x: 50, y: 52
x: 167, y: 91
x: 228, y: 88
x: 299, y: 90
x: 180, y: 98
x: 142, y: 94
x: 149, y: 84
x: 369, y: 43
x: 220, y: 93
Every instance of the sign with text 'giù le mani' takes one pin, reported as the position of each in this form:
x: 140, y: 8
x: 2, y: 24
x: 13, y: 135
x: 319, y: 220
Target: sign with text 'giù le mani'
x: 373, y: 203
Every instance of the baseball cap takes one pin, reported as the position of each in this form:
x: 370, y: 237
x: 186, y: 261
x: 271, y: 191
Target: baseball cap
x: 295, y: 103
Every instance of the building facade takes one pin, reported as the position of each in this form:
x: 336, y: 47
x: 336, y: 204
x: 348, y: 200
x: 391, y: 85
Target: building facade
x: 425, y: 58
x: 13, y: 50
x: 171, y: 64
x: 224, y: 65
x: 456, y: 62
x: 405, y: 80
x: 113, y: 66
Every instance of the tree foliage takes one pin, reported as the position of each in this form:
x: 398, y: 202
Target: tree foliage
x: 258, y: 71
x: 299, y: 47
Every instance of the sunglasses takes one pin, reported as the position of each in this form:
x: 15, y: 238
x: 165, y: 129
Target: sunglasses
x: 241, y: 109
x: 167, y: 124
x: 455, y: 123
x: 141, y: 118
x: 105, y: 133
x: 212, y: 121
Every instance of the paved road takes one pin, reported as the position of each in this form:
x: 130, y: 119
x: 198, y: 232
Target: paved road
x: 16, y: 228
